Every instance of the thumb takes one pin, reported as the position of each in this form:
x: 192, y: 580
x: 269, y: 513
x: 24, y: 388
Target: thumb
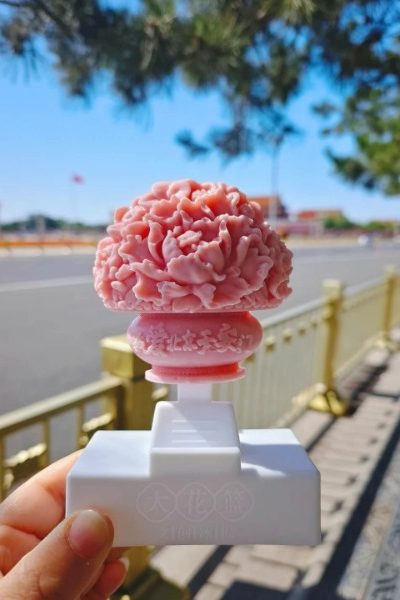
x: 66, y: 564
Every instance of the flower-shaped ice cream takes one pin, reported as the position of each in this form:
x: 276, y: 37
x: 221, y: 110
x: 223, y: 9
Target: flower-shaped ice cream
x: 189, y: 247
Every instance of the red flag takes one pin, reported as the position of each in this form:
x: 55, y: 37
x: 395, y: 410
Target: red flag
x: 77, y: 179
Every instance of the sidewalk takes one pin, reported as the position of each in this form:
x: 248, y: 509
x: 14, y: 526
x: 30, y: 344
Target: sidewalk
x: 359, y: 460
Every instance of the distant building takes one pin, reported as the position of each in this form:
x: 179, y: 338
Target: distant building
x: 267, y: 206
x: 313, y: 219
x: 319, y: 214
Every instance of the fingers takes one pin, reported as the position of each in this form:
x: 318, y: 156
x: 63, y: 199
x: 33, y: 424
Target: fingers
x: 115, y: 554
x: 39, y: 504
x: 14, y: 544
x: 67, y: 563
x: 110, y: 580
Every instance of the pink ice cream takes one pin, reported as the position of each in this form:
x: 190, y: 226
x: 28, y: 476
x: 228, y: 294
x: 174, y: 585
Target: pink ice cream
x: 190, y: 247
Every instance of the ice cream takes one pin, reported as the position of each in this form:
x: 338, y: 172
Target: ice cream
x: 188, y: 248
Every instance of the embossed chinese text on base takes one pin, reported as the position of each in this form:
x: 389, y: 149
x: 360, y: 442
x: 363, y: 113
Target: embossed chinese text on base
x: 274, y: 499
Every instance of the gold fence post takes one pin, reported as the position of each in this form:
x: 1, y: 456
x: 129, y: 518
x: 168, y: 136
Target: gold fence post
x: 3, y: 487
x: 390, y: 287
x: 326, y: 398
x: 118, y: 359
x: 142, y: 581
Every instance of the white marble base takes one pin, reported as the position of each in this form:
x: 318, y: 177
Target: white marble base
x: 273, y: 499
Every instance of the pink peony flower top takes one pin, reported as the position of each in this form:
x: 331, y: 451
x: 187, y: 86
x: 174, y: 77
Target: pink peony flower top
x: 189, y: 247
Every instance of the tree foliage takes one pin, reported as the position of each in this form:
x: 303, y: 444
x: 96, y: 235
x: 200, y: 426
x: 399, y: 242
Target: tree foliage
x: 341, y: 223
x: 372, y: 117
x: 257, y: 54
x: 39, y: 222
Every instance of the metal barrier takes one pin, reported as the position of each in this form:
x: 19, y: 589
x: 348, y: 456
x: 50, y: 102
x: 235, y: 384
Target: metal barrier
x: 361, y: 324
x: 286, y: 363
x: 307, y: 349
x: 303, y: 351
x: 392, y: 280
x: 16, y: 468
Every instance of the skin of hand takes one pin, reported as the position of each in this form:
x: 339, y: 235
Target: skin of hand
x: 44, y: 556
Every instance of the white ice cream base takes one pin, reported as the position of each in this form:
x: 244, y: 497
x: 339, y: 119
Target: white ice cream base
x: 193, y: 479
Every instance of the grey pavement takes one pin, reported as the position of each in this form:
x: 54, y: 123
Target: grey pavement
x: 51, y: 319
x: 358, y: 559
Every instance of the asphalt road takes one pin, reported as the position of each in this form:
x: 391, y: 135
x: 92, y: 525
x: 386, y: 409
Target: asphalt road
x: 51, y: 320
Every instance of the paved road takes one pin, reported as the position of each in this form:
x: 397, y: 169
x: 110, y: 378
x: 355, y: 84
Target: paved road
x: 51, y: 319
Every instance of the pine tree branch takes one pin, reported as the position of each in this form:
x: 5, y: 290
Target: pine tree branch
x: 12, y: 4
x: 51, y: 15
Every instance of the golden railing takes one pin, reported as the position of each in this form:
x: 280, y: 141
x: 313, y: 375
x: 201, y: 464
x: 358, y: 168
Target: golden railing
x: 303, y: 352
x: 393, y: 292
x: 307, y: 349
x: 19, y: 466
x: 286, y: 363
x: 360, y: 322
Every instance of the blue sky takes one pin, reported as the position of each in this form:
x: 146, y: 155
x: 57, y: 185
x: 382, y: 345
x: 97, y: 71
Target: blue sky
x: 45, y: 137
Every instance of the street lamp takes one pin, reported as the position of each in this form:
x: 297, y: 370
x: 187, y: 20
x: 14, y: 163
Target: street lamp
x: 276, y: 142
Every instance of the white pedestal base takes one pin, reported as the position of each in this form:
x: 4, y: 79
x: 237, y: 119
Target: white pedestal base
x: 194, y: 437
x: 273, y: 499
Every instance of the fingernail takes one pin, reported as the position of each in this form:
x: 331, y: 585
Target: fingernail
x: 125, y: 561
x: 88, y: 534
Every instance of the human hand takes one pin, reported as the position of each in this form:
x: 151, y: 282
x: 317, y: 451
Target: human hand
x: 44, y: 556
